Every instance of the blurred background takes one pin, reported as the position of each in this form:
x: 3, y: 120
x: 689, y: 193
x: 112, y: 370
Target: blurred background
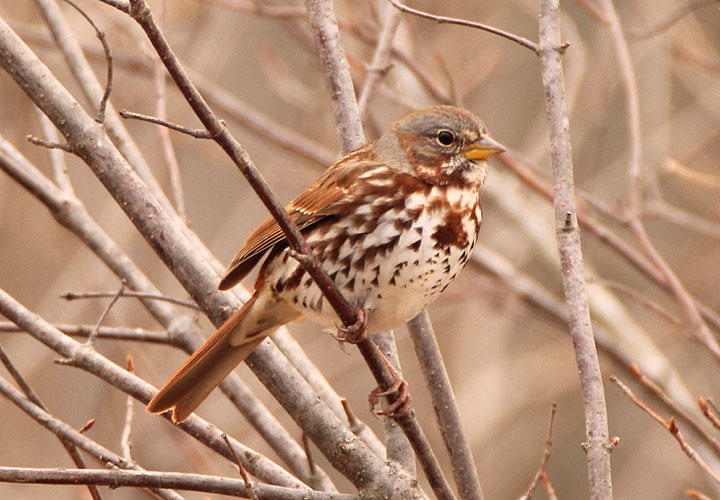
x: 508, y: 357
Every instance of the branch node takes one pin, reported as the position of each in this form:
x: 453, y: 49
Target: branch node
x: 199, y: 133
x: 50, y: 145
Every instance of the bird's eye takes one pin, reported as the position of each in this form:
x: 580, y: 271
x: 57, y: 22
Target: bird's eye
x: 445, y: 137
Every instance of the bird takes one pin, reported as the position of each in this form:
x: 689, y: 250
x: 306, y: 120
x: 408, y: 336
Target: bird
x: 392, y: 223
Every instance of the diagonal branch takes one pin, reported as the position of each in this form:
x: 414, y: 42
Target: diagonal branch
x: 182, y: 330
x: 195, y: 274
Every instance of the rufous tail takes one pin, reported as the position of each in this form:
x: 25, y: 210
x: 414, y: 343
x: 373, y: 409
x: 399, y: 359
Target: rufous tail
x: 217, y: 357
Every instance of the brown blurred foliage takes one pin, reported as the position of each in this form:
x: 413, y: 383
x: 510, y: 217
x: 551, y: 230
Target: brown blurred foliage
x: 508, y: 361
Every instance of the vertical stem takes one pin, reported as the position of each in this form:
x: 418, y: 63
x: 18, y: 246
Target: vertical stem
x: 597, y: 444
x: 326, y: 33
x: 398, y: 446
x: 445, y: 405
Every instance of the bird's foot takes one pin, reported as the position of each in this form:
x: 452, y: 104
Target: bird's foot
x: 399, y: 396
x: 355, y: 333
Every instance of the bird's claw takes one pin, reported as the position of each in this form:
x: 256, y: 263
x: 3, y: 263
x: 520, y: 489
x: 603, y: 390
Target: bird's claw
x: 355, y: 333
x: 399, y: 405
x: 397, y: 408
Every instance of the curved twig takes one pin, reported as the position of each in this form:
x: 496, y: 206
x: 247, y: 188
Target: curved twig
x: 472, y: 24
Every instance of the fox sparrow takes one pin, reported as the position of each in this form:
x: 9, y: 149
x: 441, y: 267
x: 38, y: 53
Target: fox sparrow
x: 392, y: 224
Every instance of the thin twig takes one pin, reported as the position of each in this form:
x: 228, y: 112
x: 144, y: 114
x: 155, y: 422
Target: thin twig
x: 187, y: 261
x: 667, y: 211
x: 57, y: 159
x: 635, y: 188
x: 380, y: 63
x: 674, y: 167
x: 50, y: 145
x: 571, y: 258
x: 546, y: 456
x: 125, y: 443
x: 710, y: 411
x: 67, y: 433
x: 670, y: 19
x: 549, y: 490
x: 646, y: 301
x: 672, y: 427
x: 33, y: 398
x: 100, y: 117
x: 93, y: 335
x: 308, y: 453
x: 260, y: 9
x: 197, y: 133
x: 167, y: 146
x: 602, y: 232
x: 697, y: 425
x: 162, y: 479
x: 463, y: 22
x: 129, y: 293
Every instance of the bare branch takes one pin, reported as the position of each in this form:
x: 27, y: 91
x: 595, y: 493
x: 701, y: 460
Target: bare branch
x: 696, y: 424
x: 100, y: 117
x: 68, y: 434
x: 50, y: 145
x: 182, y: 256
x: 438, y: 384
x: 125, y: 443
x: 129, y: 293
x: 635, y: 188
x: 324, y: 27
x: 571, y: 258
x: 672, y: 427
x: 167, y: 146
x: 674, y: 167
x: 379, y: 65
x: 33, y: 398
x: 105, y: 332
x: 91, y: 338
x: 147, y: 479
x: 196, y: 133
x: 710, y: 414
x: 89, y: 360
x: 670, y: 19
x: 462, y: 22
x: 260, y: 9
x: 56, y: 157
x: 546, y: 456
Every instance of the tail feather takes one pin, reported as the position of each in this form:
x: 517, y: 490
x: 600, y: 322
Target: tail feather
x: 212, y: 362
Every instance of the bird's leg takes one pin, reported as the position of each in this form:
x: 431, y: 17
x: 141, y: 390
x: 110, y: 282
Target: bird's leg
x: 401, y: 405
x: 355, y: 333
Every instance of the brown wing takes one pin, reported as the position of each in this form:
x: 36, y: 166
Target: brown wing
x: 319, y: 201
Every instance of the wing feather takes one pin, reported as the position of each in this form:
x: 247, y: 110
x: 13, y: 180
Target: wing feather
x: 323, y: 199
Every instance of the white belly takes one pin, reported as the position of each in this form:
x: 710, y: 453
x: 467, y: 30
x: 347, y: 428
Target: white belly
x: 392, y: 272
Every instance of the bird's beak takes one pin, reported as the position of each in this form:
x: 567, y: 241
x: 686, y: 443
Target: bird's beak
x: 483, y: 149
